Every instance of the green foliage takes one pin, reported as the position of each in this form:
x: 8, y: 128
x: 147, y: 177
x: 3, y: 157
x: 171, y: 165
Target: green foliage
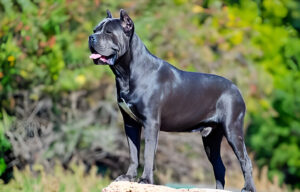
x: 4, y: 143
x: 40, y: 48
x: 272, y: 134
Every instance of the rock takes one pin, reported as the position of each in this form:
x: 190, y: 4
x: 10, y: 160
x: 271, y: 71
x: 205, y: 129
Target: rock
x: 125, y: 186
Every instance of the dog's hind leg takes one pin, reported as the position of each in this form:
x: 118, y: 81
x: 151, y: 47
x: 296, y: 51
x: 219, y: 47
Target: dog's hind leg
x: 212, y: 145
x: 234, y: 134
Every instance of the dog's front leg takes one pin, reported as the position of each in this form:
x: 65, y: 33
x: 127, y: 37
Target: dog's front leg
x: 133, y: 134
x: 151, y: 129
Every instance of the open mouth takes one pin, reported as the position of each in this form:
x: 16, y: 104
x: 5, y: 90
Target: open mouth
x: 102, y: 59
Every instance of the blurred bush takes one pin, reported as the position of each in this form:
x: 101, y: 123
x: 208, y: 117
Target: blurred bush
x: 41, y: 46
x: 51, y: 90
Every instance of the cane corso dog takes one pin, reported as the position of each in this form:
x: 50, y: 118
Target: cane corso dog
x: 157, y: 96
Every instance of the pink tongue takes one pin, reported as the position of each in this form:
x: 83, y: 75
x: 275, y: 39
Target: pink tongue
x: 95, y: 56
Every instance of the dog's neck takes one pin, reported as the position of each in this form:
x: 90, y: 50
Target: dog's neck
x: 131, y: 63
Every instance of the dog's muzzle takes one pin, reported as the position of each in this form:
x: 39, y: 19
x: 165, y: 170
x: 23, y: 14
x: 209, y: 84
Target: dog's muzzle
x: 99, y: 58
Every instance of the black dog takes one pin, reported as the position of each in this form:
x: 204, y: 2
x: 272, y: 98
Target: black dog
x: 157, y: 96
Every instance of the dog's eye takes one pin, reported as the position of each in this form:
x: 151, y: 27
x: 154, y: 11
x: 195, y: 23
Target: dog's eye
x: 108, y: 32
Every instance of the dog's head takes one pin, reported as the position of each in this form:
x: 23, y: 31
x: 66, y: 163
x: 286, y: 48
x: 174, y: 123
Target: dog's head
x: 111, y: 38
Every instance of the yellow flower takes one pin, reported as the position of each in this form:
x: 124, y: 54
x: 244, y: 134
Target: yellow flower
x: 11, y: 58
x: 197, y: 9
x: 24, y: 74
x: 237, y: 37
x: 80, y: 79
x: 231, y: 20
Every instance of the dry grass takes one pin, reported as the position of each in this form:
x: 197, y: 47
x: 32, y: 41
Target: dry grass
x: 59, y: 180
x: 261, y: 180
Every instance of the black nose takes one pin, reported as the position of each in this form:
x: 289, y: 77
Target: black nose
x: 92, y: 38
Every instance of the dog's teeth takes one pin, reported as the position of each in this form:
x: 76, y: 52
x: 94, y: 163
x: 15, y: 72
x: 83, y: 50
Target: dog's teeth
x: 103, y: 59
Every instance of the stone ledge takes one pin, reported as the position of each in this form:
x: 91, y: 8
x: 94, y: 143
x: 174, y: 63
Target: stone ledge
x: 125, y: 186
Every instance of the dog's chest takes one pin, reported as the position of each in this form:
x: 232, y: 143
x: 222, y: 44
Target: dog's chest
x: 127, y: 108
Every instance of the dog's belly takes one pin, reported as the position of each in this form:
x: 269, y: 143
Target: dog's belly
x: 178, y: 127
x: 184, y: 121
x: 187, y: 112
x: 185, y: 125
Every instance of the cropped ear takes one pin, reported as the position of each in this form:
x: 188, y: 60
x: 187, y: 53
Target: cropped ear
x: 108, y: 14
x: 127, y: 23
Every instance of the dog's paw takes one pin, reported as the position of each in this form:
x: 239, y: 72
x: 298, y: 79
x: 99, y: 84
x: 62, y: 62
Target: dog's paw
x: 248, y: 190
x: 125, y: 178
x: 145, y: 181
